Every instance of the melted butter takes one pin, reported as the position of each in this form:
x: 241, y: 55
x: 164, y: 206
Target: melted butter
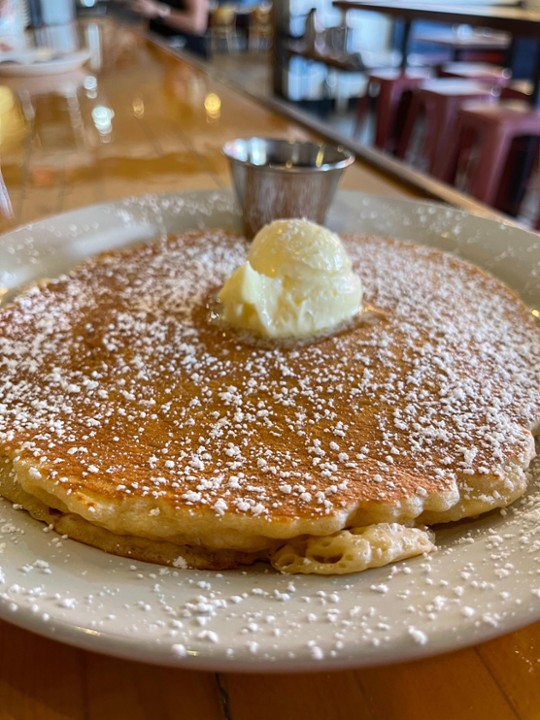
x: 297, y: 282
x: 366, y: 317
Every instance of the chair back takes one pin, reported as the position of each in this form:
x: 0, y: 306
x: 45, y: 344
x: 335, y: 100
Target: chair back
x: 223, y: 16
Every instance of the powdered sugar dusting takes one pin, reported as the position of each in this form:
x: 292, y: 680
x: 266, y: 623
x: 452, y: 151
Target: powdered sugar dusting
x: 446, y: 380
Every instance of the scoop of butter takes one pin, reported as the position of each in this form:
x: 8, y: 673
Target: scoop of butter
x: 297, y: 281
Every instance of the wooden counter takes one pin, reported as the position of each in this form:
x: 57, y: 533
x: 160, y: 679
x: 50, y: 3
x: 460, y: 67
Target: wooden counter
x: 139, y: 120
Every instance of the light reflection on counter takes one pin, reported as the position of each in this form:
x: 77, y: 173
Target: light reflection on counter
x: 212, y: 105
x: 90, y: 85
x: 138, y: 107
x: 102, y: 117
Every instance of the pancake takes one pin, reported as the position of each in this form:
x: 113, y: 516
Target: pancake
x: 133, y: 420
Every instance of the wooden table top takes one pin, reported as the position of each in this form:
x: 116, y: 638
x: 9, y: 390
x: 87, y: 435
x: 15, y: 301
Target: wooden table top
x: 138, y: 120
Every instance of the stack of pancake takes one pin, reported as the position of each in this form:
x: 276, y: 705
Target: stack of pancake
x: 131, y: 419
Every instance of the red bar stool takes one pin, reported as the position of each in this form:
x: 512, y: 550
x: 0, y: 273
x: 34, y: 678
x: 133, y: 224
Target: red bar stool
x: 517, y: 90
x: 495, y: 75
x: 482, y: 143
x: 391, y: 87
x: 437, y: 102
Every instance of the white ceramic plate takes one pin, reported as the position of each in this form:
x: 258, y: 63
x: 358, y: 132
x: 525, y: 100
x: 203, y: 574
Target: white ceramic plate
x: 40, y: 61
x: 483, y: 581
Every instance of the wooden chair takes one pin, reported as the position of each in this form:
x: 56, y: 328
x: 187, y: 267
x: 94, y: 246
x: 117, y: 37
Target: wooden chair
x: 260, y: 35
x: 223, y: 35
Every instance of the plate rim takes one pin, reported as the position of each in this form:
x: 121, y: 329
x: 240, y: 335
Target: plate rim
x: 129, y: 647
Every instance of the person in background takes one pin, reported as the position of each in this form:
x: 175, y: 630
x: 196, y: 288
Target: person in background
x: 184, y: 19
